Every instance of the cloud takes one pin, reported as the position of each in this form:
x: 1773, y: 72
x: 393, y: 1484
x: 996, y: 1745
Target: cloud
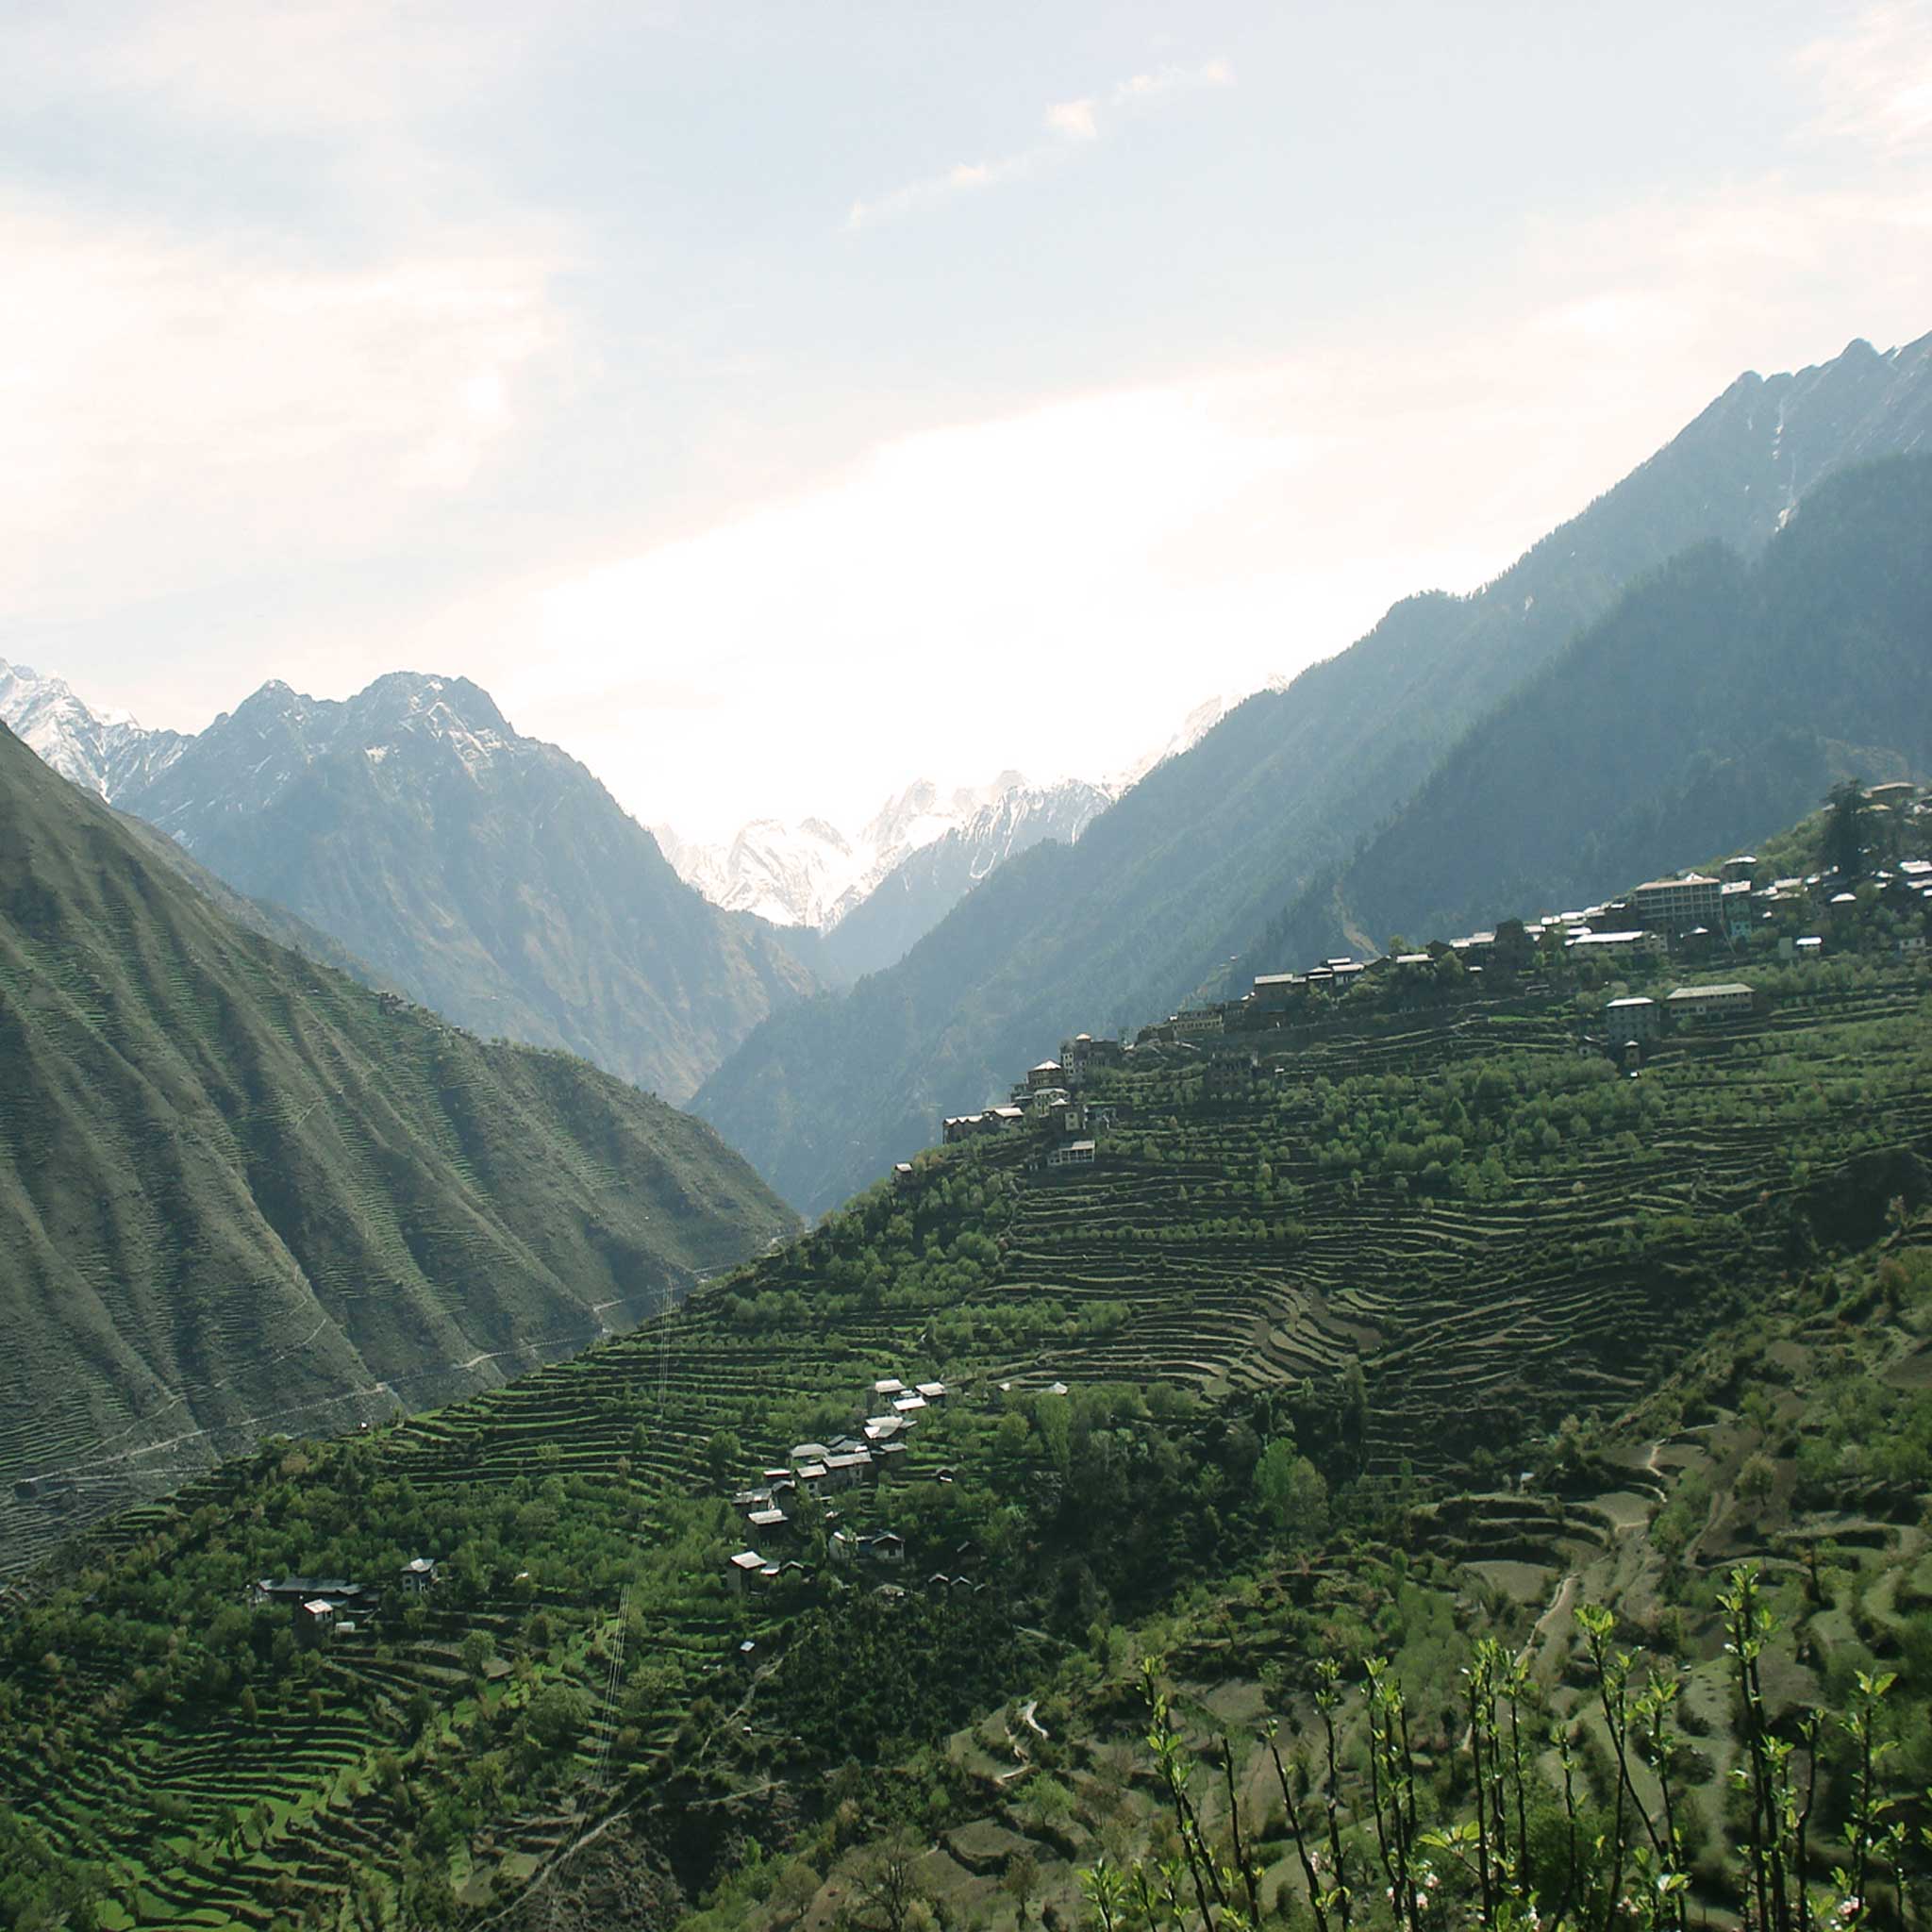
x: 1875, y: 80
x: 184, y: 406
x: 304, y: 67
x: 1115, y: 558
x: 1075, y: 118
x: 961, y: 179
x: 1167, y: 80
x: 1073, y: 123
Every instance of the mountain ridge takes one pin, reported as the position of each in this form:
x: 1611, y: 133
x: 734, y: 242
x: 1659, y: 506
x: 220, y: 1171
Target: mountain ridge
x: 486, y: 875
x: 1181, y: 874
x: 1526, y: 813
x: 237, y: 1188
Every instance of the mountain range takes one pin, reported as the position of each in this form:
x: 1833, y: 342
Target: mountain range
x: 813, y: 873
x: 1193, y: 866
x: 885, y: 886
x: 240, y: 1191
x: 483, y: 873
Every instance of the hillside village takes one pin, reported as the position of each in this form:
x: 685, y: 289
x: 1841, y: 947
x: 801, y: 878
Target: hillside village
x: 1648, y: 951
x: 1350, y: 1269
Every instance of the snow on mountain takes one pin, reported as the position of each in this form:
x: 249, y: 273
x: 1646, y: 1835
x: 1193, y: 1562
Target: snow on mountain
x: 813, y: 873
x: 1195, y: 727
x: 789, y: 874
x: 105, y: 752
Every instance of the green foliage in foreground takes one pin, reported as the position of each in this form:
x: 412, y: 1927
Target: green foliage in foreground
x: 1517, y: 1838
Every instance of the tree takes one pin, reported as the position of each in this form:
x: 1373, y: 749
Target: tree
x: 1291, y: 1492
x: 723, y: 1453
x: 1847, y: 827
x: 1021, y: 1882
x: 1053, y: 1417
x: 1354, y: 1402
x: 888, y: 1887
x: 557, y: 1716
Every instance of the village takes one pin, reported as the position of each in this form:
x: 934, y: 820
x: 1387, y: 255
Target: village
x: 1689, y: 922
x: 792, y: 1504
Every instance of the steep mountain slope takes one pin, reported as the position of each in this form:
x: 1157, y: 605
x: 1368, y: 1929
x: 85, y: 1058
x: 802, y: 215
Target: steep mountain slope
x: 1248, y: 1274
x: 1180, y: 876
x: 240, y: 1192
x: 1709, y: 708
x: 106, y: 752
x: 486, y: 875
x: 928, y: 882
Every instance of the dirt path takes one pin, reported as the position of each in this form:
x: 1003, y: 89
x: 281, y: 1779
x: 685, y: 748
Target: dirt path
x: 1017, y: 1746
x: 1560, y: 1604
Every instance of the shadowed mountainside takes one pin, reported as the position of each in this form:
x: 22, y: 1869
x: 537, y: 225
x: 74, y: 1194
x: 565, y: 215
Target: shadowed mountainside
x: 240, y: 1191
x: 1183, y: 873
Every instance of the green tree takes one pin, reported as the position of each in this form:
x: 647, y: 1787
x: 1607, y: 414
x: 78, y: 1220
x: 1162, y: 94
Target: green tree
x: 1847, y: 827
x: 557, y: 1716
x: 1053, y: 1417
x: 1291, y: 1493
x: 723, y: 1453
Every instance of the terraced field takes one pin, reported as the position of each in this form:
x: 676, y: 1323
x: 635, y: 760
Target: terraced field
x: 1588, y: 1229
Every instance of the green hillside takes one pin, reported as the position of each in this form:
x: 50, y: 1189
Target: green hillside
x: 239, y: 1191
x: 1309, y: 1292
x: 1722, y: 699
x: 1191, y: 866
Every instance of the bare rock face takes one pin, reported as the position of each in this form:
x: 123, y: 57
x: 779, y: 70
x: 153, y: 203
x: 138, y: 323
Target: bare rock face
x: 482, y: 873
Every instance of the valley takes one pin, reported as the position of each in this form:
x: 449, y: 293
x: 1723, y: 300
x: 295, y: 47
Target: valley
x: 1256, y: 1320
x: 241, y: 1192
x: 717, y: 1215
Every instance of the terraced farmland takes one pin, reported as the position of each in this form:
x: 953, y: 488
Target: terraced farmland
x: 1250, y: 1253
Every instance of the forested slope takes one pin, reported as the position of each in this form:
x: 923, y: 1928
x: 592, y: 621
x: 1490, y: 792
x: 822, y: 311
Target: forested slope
x: 239, y: 1191
x: 1708, y: 710
x: 1194, y: 862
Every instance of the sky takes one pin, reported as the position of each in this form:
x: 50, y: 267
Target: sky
x: 772, y: 404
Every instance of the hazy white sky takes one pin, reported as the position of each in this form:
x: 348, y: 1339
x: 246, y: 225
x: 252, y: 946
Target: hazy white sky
x: 774, y: 403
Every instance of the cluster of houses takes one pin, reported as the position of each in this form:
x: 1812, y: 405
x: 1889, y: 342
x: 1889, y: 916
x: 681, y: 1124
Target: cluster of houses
x: 818, y: 1471
x: 326, y: 1607
x: 1048, y: 1097
x: 1692, y: 916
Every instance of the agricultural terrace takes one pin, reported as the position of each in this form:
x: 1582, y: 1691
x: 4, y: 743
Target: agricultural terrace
x: 1340, y: 1291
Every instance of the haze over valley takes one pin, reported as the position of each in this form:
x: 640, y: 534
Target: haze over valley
x: 966, y: 971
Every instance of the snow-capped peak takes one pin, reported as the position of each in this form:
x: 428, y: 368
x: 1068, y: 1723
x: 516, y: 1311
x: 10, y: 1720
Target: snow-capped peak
x: 813, y: 873
x: 104, y: 752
